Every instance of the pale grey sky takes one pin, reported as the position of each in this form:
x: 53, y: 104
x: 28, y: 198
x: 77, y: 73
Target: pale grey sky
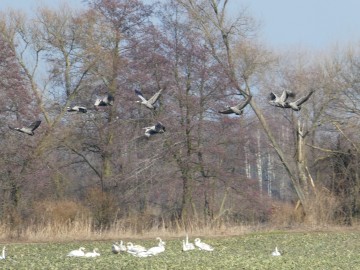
x: 313, y: 24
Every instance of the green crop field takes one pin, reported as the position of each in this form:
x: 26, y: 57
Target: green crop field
x: 299, y: 251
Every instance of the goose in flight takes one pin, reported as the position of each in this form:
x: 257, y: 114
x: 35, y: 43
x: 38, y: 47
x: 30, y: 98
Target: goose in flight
x: 237, y: 109
x: 29, y: 129
x: 92, y: 254
x: 186, y: 245
x: 107, y: 100
x: 276, y: 252
x: 202, y: 245
x: 158, y: 128
x: 151, y: 101
x: 158, y: 249
x: 296, y: 105
x: 77, y: 109
x: 77, y: 252
x: 280, y: 101
x: 3, y: 254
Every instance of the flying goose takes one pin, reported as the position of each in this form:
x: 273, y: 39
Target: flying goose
x: 3, y: 255
x: 77, y: 109
x: 237, y: 109
x: 280, y: 101
x: 151, y: 101
x: 92, y: 254
x: 296, y: 105
x: 28, y: 130
x: 158, y: 128
x: 202, y: 245
x: 107, y: 100
x: 77, y: 252
x: 186, y: 245
x: 276, y: 252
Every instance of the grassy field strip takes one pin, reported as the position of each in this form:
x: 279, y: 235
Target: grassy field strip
x: 253, y: 251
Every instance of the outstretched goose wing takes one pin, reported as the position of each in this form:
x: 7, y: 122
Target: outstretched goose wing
x: 304, y: 98
x: 155, y: 97
x: 34, y: 125
x: 140, y: 95
x: 243, y: 104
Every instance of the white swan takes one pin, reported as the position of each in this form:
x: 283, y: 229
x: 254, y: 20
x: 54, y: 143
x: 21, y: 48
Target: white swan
x: 118, y: 247
x: 276, y: 252
x: 92, y: 254
x: 158, y: 249
x: 186, y: 245
x: 3, y: 255
x: 148, y: 103
x: 134, y: 249
x: 203, y: 246
x: 77, y: 252
x: 115, y: 248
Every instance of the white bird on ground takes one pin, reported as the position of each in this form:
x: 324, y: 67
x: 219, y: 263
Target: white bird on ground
x: 296, y: 105
x: 276, y: 252
x: 3, y: 254
x: 186, y: 245
x: 29, y: 130
x: 107, y: 100
x: 115, y: 248
x: 158, y: 249
x: 202, y: 245
x: 77, y: 252
x: 238, y: 109
x: 92, y: 254
x: 77, y: 109
x: 118, y: 247
x: 151, y: 101
x: 158, y: 128
x: 134, y: 249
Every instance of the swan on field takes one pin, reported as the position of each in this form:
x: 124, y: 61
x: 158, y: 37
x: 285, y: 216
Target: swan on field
x: 29, y: 130
x: 276, y: 252
x: 3, y: 254
x: 186, y: 245
x: 118, y: 247
x: 77, y: 252
x: 202, y: 245
x: 158, y: 249
x: 151, y: 101
x: 134, y: 249
x: 92, y: 254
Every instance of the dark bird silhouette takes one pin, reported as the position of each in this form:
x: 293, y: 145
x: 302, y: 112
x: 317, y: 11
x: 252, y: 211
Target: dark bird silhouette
x: 28, y: 130
x: 158, y: 128
x: 238, y: 109
x: 151, y: 101
x: 77, y: 109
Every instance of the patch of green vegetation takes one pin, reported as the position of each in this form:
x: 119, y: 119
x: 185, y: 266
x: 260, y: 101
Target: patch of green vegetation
x: 299, y: 251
